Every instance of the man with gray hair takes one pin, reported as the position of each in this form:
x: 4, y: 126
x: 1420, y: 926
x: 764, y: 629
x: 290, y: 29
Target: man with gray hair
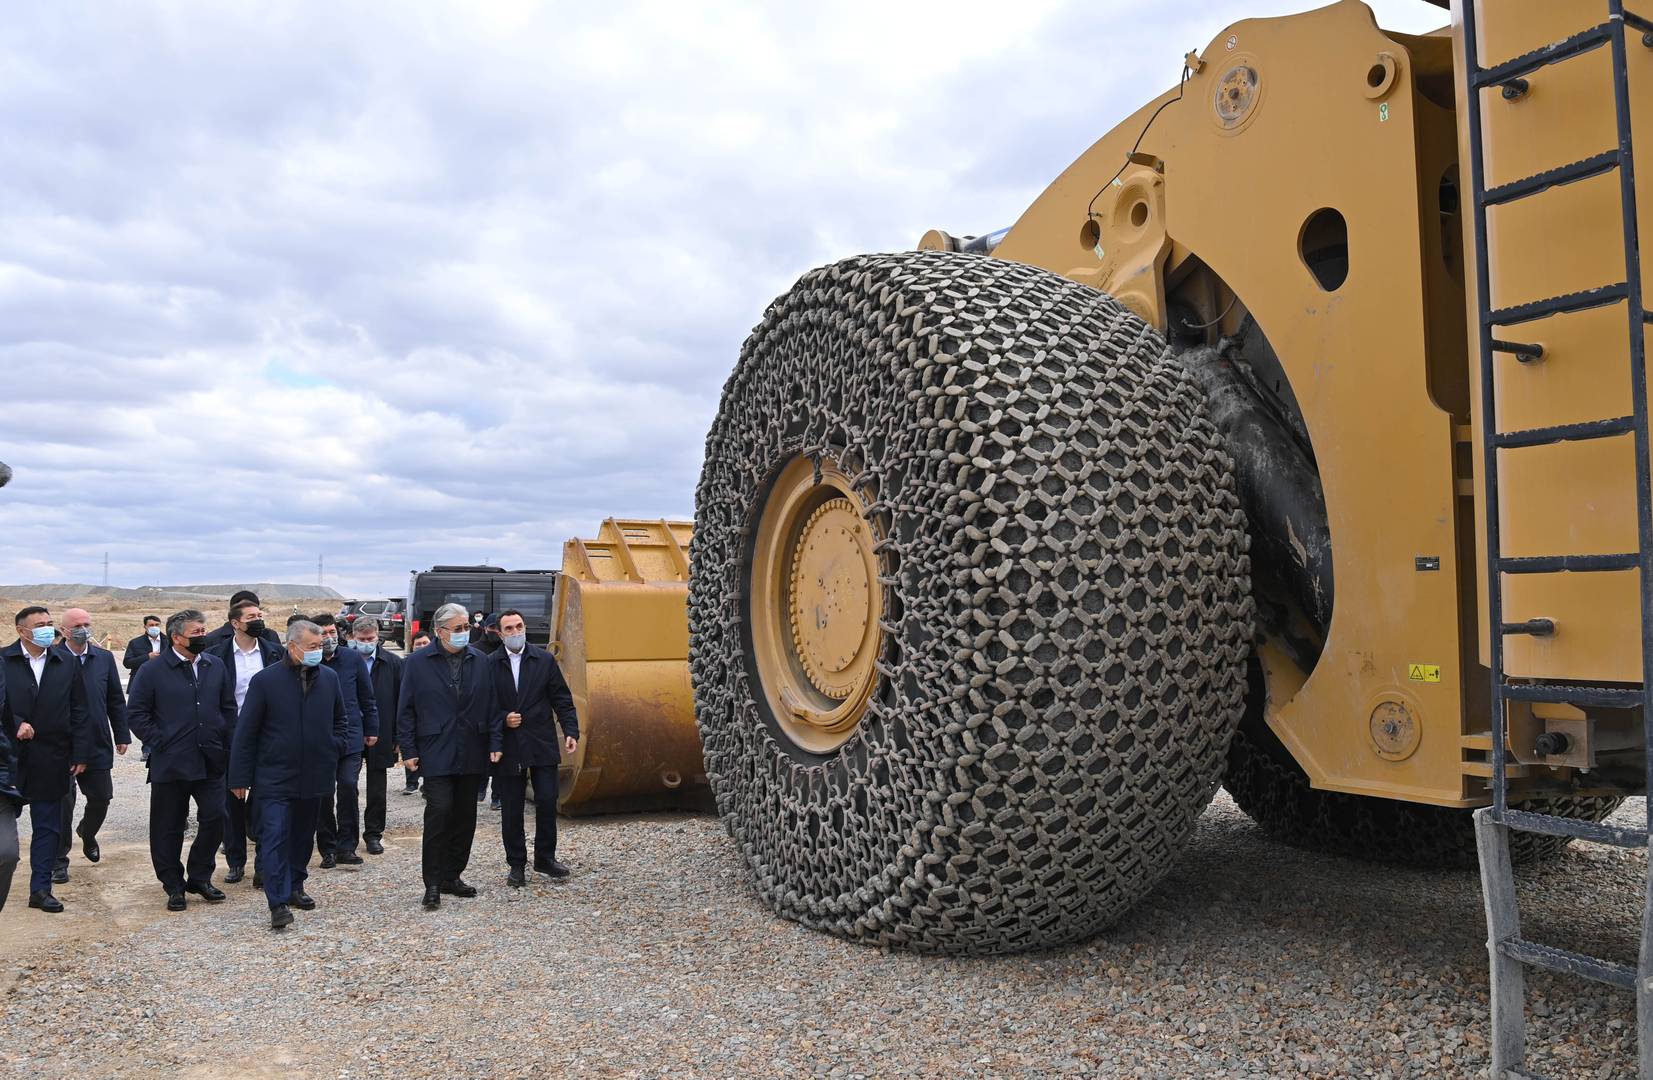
x: 450, y: 732
x: 183, y: 705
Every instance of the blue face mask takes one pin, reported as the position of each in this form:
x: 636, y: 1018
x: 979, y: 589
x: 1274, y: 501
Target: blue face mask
x: 43, y: 636
x: 457, y: 640
x: 366, y: 648
x: 312, y: 658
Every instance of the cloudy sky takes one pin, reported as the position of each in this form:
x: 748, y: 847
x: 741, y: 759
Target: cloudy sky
x: 408, y: 282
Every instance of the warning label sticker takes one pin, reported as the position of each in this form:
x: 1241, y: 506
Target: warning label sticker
x: 1424, y: 672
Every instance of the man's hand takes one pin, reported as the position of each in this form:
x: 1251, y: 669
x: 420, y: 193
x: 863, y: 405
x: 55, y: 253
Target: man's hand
x: 411, y: 763
x: 25, y: 730
x: 569, y: 743
x: 370, y: 740
x: 76, y: 770
x: 121, y: 748
x: 240, y: 793
x: 513, y: 719
x: 495, y: 756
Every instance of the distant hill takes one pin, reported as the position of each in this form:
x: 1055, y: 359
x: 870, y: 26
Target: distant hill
x: 268, y: 592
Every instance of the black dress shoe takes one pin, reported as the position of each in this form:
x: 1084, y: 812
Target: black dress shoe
x: 89, y: 848
x: 207, y: 891
x: 280, y: 915
x: 433, y: 898
x: 517, y: 878
x: 411, y: 789
x: 60, y: 875
x: 304, y: 901
x: 46, y: 902
x: 258, y: 878
x: 458, y: 887
x: 494, y: 804
x: 175, y: 901
x: 234, y: 874
x: 349, y: 858
x: 550, y: 868
x: 328, y: 861
x: 375, y: 846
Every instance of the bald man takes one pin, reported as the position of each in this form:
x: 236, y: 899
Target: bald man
x: 106, y: 710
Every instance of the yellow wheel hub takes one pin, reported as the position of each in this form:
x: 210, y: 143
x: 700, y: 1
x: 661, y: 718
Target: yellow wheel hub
x: 814, y: 605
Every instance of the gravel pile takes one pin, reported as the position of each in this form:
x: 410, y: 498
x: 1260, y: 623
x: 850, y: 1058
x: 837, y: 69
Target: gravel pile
x: 656, y: 959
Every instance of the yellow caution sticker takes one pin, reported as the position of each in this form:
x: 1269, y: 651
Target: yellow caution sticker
x: 1424, y: 672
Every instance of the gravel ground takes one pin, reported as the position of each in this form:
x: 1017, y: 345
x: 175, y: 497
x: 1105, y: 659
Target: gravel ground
x: 656, y: 959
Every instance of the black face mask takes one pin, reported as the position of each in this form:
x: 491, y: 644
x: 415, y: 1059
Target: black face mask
x: 254, y: 628
x: 196, y: 645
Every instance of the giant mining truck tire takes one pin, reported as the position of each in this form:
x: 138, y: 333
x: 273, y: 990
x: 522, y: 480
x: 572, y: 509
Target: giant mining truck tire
x: 1274, y: 792
x: 969, y: 605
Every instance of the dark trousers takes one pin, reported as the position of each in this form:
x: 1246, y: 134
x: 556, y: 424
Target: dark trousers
x: 338, y: 834
x: 450, y: 827
x: 373, y: 822
x: 98, y: 785
x: 43, y: 824
x: 286, y: 834
x: 9, y: 851
x: 240, y: 825
x: 512, y: 790
x: 412, y: 778
x: 168, y: 818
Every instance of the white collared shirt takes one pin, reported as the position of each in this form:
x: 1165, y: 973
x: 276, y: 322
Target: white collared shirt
x: 37, y: 664
x: 247, y: 664
x: 516, y: 666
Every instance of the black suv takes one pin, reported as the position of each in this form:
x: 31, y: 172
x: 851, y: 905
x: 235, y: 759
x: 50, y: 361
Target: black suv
x: 391, y: 616
x: 485, y: 590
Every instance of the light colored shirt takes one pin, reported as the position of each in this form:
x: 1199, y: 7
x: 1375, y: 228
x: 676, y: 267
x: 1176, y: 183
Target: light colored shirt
x: 247, y: 664
x: 516, y: 666
x: 37, y: 664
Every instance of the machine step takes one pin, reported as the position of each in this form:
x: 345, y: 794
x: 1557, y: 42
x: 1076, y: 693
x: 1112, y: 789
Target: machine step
x: 1566, y: 962
x: 1584, y: 300
x: 1601, y: 697
x: 1549, y: 178
x: 1592, y: 831
x: 1543, y: 436
x: 1553, y: 53
x: 1574, y: 564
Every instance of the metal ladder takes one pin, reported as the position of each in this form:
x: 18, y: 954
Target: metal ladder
x: 1510, y: 953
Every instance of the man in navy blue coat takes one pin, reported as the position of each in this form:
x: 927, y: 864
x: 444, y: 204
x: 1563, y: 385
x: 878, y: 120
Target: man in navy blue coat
x: 450, y: 732
x: 385, y: 670
x: 183, y: 707
x: 245, y: 653
x: 288, y: 741
x: 11, y: 804
x: 535, y: 699
x: 106, y: 711
x: 45, y: 718
x: 337, y: 834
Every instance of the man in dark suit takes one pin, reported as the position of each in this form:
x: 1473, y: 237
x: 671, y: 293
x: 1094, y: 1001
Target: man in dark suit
x: 11, y: 803
x: 106, y: 715
x: 531, y: 693
x: 287, y: 745
x: 45, y: 718
x: 338, y: 831
x: 183, y: 705
x: 245, y: 653
x: 146, y: 646
x: 450, y: 731
x: 227, y: 631
x: 385, y: 672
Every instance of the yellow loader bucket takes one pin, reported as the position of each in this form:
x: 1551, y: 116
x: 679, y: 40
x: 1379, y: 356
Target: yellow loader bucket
x: 620, y: 631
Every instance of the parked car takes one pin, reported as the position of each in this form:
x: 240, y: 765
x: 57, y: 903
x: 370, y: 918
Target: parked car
x: 390, y: 614
x: 484, y: 590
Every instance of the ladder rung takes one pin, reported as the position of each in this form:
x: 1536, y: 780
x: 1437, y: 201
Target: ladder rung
x: 1555, y: 564
x: 1553, y: 53
x: 1567, y: 962
x: 1549, y: 178
x: 1543, y: 436
x: 1559, y: 305
x: 1592, y: 831
x: 1526, y: 353
x: 1606, y: 697
x: 1644, y: 25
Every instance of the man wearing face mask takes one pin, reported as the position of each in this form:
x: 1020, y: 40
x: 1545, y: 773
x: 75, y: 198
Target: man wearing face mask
x: 45, y: 718
x: 227, y: 631
x: 339, y: 828
x: 288, y: 741
x: 146, y: 646
x: 385, y: 675
x: 245, y: 653
x: 106, y: 715
x: 529, y: 688
x: 450, y: 732
x: 183, y: 705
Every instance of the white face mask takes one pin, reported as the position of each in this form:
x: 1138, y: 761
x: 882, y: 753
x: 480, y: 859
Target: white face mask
x: 153, y: 631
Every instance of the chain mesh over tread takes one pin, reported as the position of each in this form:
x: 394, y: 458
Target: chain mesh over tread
x: 1066, y: 598
x: 1275, y: 793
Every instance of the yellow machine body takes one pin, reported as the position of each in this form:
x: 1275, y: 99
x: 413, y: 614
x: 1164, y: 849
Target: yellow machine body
x: 620, y: 633
x: 1220, y: 211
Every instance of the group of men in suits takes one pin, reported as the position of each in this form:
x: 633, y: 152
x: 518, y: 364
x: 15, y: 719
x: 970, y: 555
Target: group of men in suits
x: 267, y: 739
